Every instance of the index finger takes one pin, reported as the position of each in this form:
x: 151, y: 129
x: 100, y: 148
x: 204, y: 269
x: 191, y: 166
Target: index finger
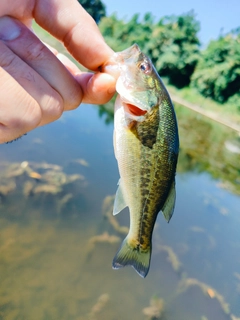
x: 71, y: 24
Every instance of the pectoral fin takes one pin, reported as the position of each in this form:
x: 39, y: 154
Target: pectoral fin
x: 169, y: 204
x: 119, y: 202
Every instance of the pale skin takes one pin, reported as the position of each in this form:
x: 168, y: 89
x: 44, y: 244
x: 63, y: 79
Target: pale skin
x: 36, y: 83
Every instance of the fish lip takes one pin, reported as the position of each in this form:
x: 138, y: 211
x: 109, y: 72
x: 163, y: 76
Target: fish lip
x: 126, y: 54
x: 127, y: 101
x: 115, y: 70
x: 115, y: 65
x: 112, y: 66
x: 126, y: 97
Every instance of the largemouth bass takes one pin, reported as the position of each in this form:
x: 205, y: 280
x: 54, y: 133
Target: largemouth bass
x: 146, y: 146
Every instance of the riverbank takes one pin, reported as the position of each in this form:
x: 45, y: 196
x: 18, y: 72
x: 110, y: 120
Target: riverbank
x: 185, y: 97
x: 207, y: 113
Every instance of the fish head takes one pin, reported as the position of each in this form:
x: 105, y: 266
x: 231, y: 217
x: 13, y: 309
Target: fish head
x: 137, y: 82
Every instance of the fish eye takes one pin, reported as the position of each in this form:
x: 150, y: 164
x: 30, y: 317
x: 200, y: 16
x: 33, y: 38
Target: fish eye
x: 145, y: 67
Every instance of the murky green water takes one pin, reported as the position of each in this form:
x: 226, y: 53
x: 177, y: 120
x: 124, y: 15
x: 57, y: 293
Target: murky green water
x: 57, y: 238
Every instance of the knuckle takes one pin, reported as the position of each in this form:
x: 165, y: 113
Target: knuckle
x: 54, y: 108
x: 15, y: 126
x: 35, y: 51
x: 8, y: 60
x: 26, y: 118
x: 74, y: 98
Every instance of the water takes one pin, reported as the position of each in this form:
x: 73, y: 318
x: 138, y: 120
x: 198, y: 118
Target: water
x: 56, y: 249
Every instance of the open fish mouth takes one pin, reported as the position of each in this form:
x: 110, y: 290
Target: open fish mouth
x: 132, y: 105
x: 133, y: 110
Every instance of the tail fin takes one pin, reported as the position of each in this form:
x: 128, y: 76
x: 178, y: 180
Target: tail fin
x: 133, y: 256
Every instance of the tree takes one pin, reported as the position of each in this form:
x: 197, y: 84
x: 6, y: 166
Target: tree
x: 218, y: 72
x: 172, y: 43
x: 120, y: 34
x: 95, y: 8
x: 174, y: 47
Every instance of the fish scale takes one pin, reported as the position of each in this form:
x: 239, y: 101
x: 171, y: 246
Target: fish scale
x: 146, y: 147
x: 154, y: 192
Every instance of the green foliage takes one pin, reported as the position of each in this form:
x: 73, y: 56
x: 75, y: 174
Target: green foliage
x: 171, y: 43
x: 234, y: 101
x: 218, y: 72
x: 120, y: 34
x: 174, y: 48
x: 95, y: 8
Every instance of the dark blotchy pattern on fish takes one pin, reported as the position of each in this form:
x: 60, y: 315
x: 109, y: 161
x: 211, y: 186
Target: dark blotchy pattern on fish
x: 157, y: 166
x: 146, y: 131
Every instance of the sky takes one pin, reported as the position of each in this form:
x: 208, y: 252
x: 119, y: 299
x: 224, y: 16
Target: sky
x: 215, y: 16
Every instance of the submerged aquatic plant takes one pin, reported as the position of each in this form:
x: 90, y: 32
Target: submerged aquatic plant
x: 155, y: 310
x: 206, y: 289
x: 107, y: 209
x: 172, y: 257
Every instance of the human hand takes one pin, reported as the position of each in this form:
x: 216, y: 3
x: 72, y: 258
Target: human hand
x: 35, y: 86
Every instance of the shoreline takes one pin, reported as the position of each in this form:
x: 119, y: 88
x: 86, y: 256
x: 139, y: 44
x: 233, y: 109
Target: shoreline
x: 210, y: 114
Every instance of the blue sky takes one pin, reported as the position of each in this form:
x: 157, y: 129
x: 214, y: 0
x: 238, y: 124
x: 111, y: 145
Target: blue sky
x: 214, y: 15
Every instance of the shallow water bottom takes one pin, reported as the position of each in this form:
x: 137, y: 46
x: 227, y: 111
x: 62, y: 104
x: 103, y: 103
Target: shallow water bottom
x: 57, y: 243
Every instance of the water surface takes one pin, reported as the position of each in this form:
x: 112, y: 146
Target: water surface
x: 57, y: 245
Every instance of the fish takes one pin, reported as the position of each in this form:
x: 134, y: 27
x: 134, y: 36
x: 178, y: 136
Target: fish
x: 146, y: 146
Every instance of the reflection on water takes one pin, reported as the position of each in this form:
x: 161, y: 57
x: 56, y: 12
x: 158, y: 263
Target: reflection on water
x: 58, y: 236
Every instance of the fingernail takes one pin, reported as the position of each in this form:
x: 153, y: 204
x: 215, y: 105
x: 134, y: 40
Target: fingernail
x: 9, y: 30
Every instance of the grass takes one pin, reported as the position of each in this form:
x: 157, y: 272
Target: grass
x: 48, y: 38
x: 227, y: 110
x: 53, y: 42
